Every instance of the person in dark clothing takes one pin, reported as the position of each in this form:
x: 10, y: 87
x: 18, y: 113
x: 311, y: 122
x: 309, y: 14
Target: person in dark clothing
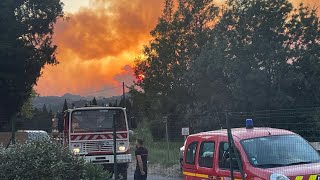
x: 141, y: 154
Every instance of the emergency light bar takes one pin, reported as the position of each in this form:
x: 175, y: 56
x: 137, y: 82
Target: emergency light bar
x: 249, y: 124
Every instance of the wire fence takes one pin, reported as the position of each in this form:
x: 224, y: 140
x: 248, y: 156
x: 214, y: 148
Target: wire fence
x: 303, y: 121
x: 164, y: 141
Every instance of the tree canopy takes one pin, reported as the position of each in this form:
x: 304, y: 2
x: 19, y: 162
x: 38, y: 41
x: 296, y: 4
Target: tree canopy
x: 26, y: 30
x: 177, y: 38
x: 243, y: 56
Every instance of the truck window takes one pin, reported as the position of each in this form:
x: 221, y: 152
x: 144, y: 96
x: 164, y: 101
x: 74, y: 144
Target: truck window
x: 206, y: 154
x: 191, y: 153
x: 224, y: 160
x: 97, y: 120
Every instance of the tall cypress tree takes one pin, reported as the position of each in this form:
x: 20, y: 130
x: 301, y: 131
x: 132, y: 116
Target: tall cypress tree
x: 94, y: 102
x: 65, y: 105
x: 44, y: 109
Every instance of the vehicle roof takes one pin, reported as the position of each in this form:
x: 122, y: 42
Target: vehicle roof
x: 95, y: 108
x: 32, y: 131
x: 243, y: 133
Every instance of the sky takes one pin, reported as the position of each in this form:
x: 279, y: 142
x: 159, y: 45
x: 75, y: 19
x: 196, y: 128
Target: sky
x: 98, y: 43
x: 97, y: 46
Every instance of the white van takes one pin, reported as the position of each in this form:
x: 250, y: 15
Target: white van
x: 23, y: 136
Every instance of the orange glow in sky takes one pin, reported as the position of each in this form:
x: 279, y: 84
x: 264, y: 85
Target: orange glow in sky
x: 98, y: 44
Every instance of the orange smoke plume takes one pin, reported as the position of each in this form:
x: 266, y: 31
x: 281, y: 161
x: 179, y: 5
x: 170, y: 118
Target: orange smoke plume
x: 97, y: 46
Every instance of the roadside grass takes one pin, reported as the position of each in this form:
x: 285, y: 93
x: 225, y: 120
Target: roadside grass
x: 159, y: 154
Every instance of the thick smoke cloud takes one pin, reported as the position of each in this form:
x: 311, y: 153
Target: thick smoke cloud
x: 98, y: 44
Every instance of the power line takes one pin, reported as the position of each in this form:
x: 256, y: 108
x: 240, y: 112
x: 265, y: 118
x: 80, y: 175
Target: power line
x: 274, y: 114
x: 107, y: 89
x: 275, y: 110
x: 103, y: 90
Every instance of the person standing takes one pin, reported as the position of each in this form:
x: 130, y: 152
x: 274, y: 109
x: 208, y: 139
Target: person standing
x: 141, y: 155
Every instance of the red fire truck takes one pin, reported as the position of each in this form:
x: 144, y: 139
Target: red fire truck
x: 88, y: 132
x: 263, y: 154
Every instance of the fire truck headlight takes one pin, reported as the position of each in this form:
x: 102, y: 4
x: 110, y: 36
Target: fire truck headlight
x: 76, y: 151
x: 122, y: 148
x: 276, y: 176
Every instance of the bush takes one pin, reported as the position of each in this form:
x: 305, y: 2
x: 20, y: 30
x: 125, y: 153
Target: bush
x: 95, y: 172
x: 45, y: 161
x: 143, y: 132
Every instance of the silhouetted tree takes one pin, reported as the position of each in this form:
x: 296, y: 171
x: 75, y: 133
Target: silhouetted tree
x: 26, y: 46
x: 247, y: 56
x: 65, y: 106
x: 94, y: 102
x: 44, y: 109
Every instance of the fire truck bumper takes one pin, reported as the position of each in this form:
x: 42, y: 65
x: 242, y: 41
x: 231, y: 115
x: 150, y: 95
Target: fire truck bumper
x: 108, y: 159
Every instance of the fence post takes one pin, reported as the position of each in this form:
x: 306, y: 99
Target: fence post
x: 115, y: 173
x: 167, y: 136
x: 233, y: 150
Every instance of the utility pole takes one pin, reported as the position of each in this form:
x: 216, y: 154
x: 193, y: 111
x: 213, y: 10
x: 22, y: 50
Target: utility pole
x: 115, y: 170
x: 124, y: 95
x: 13, y: 130
x: 115, y: 173
x: 230, y: 145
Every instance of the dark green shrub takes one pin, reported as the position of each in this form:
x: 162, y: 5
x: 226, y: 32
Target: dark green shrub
x: 95, y: 172
x: 45, y: 161
x: 142, y: 132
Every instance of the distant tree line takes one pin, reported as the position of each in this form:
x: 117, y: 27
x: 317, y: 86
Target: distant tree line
x: 242, y: 56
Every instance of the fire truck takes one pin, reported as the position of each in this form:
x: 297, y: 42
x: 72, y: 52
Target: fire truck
x: 257, y: 154
x: 88, y: 132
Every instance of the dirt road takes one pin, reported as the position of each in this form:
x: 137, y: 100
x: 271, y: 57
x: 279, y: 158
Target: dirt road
x: 158, y: 173
x: 155, y: 177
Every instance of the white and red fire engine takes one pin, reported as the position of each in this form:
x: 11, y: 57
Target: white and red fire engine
x: 88, y: 132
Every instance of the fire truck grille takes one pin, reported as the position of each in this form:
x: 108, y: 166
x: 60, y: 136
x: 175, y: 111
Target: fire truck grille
x: 97, y: 147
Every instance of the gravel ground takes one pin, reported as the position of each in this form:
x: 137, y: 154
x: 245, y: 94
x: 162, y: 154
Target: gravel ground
x: 156, y: 177
x: 158, y: 172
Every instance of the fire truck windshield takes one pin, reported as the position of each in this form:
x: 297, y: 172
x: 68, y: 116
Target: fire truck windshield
x: 278, y: 151
x: 97, y: 120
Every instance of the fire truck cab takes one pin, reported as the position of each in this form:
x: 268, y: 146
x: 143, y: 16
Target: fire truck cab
x: 88, y: 132
x: 264, y: 154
